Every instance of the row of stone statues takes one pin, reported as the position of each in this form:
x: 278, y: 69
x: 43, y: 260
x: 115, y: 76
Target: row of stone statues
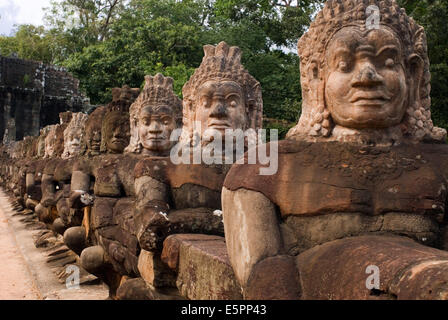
x: 361, y: 181
x: 105, y: 180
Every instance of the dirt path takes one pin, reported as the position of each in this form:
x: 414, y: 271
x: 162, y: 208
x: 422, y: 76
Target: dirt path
x: 16, y: 282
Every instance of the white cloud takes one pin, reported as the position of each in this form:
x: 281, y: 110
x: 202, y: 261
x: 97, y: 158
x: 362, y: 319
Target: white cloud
x: 21, y: 12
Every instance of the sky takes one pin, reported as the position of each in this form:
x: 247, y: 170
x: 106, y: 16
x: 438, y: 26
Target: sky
x: 20, y: 12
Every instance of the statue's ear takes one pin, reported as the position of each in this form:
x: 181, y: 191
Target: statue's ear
x: 415, y: 65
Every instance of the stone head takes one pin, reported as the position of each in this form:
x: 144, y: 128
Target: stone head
x: 115, y: 132
x: 221, y: 94
x: 54, y: 141
x: 65, y: 117
x: 154, y: 115
x: 30, y: 146
x: 92, y: 135
x: 41, y: 141
x: 362, y: 83
x: 16, y: 149
x: 74, y: 136
x: 122, y: 98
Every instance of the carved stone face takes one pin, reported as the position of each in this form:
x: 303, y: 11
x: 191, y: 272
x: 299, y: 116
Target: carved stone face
x: 154, y: 128
x: 73, y: 142
x: 93, y: 139
x: 54, y: 142
x: 365, y: 82
x: 50, y: 141
x: 221, y: 106
x: 117, y: 132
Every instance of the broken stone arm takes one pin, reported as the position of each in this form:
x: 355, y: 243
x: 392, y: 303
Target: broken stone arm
x: 255, y: 248
x: 151, y: 211
x: 79, y: 190
x: 48, y: 190
x: 33, y: 191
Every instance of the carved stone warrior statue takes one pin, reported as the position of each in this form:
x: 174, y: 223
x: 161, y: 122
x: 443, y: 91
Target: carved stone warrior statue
x: 107, y: 132
x: 105, y: 179
x: 220, y: 95
x: 361, y: 179
x: 54, y: 147
x: 34, y: 171
x: 153, y: 116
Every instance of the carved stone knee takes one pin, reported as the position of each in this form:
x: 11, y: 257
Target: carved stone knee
x: 59, y: 226
x: 93, y: 260
x: 273, y: 278
x: 75, y: 239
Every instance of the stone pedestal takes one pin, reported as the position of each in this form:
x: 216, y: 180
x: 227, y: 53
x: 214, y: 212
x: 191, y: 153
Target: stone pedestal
x: 203, y: 267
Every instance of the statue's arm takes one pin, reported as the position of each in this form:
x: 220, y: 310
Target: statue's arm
x: 48, y: 190
x: 255, y: 247
x: 79, y: 189
x: 151, y: 212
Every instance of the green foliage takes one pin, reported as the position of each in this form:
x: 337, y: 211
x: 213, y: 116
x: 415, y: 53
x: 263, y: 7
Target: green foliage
x: 151, y: 36
x: 108, y: 43
x: 26, y: 80
x: 281, y: 127
x: 433, y: 16
x: 30, y: 42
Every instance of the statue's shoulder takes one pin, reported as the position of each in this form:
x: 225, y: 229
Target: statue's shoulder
x: 63, y: 169
x: 51, y: 165
x: 86, y: 163
x: 125, y: 164
x: 280, y: 156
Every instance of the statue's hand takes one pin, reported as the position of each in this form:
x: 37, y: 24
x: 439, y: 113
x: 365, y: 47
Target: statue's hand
x: 79, y: 199
x: 152, y: 225
x: 48, y: 200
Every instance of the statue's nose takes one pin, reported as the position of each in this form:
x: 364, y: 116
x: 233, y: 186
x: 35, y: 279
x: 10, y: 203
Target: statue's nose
x: 219, y: 110
x: 117, y: 133
x: 367, y: 77
x: 155, y: 127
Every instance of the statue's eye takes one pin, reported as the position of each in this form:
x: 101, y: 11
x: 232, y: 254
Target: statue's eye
x: 343, y: 66
x: 204, y: 102
x: 390, y: 63
x: 166, y: 120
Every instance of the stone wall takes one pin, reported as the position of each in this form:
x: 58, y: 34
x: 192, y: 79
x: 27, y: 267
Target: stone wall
x: 32, y: 95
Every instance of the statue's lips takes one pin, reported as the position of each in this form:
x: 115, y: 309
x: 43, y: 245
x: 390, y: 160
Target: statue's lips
x: 156, y: 139
x: 118, y: 141
x: 219, y: 125
x: 369, y: 99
